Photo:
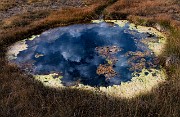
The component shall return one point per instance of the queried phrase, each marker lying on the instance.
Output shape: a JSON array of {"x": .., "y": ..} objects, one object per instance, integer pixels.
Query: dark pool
[{"x": 77, "y": 52}]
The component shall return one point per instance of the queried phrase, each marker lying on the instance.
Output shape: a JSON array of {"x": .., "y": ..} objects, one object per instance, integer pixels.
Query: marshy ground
[{"x": 21, "y": 95}]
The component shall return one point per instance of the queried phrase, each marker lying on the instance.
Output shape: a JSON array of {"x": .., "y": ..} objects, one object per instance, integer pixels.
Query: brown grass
[
  {"x": 21, "y": 95},
  {"x": 24, "y": 25},
  {"x": 153, "y": 10},
  {"x": 6, "y": 4}
]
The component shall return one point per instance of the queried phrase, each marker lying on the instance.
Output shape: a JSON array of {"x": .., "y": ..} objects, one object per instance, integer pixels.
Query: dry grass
[
  {"x": 21, "y": 96},
  {"x": 24, "y": 25},
  {"x": 23, "y": 20},
  {"x": 153, "y": 10},
  {"x": 6, "y": 4}
]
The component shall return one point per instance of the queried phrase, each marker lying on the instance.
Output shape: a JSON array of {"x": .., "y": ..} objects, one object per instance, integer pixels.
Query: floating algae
[{"x": 117, "y": 56}]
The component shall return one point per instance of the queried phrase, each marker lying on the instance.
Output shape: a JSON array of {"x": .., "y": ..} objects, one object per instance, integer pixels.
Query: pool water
[{"x": 96, "y": 54}]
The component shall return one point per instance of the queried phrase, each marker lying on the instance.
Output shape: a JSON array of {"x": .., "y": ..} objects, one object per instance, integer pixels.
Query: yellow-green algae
[
  {"x": 139, "y": 84},
  {"x": 50, "y": 80},
  {"x": 156, "y": 47},
  {"x": 17, "y": 47},
  {"x": 121, "y": 23},
  {"x": 13, "y": 51},
  {"x": 33, "y": 37}
]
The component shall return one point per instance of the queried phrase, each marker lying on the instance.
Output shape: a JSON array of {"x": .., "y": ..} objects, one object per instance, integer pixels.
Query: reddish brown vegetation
[
  {"x": 141, "y": 10},
  {"x": 106, "y": 70},
  {"x": 24, "y": 25}
]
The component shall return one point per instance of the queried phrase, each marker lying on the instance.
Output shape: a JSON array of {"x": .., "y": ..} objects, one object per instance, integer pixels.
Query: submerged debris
[
  {"x": 112, "y": 60},
  {"x": 106, "y": 70},
  {"x": 138, "y": 53},
  {"x": 139, "y": 60},
  {"x": 38, "y": 55},
  {"x": 107, "y": 51},
  {"x": 28, "y": 66}
]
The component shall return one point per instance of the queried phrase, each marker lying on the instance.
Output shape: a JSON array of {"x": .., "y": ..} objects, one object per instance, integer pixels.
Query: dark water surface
[{"x": 71, "y": 52}]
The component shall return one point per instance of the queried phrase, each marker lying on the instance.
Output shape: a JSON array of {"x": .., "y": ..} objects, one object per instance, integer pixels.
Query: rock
[{"x": 159, "y": 28}]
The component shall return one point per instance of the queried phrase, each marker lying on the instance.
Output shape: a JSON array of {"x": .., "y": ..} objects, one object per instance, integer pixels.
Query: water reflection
[{"x": 81, "y": 54}]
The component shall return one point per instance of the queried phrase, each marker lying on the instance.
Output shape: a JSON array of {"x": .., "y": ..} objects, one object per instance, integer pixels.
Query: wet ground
[{"x": 97, "y": 54}]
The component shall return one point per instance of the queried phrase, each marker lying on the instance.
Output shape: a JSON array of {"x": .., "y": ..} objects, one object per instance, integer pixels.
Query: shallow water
[{"x": 72, "y": 52}]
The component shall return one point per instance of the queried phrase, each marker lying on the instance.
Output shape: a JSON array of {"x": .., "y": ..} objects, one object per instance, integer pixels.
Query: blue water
[{"x": 70, "y": 51}]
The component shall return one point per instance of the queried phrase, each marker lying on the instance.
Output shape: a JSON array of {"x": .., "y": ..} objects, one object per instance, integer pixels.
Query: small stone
[{"x": 159, "y": 28}]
